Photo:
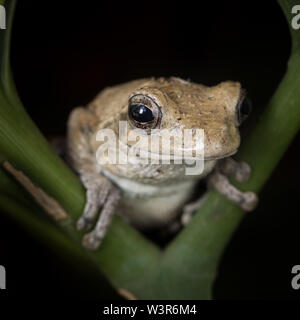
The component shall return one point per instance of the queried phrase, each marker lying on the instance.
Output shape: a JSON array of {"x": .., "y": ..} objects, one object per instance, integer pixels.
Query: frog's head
[{"x": 174, "y": 103}]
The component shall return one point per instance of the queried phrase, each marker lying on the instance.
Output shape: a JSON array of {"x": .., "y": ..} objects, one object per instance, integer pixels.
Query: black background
[{"x": 64, "y": 53}]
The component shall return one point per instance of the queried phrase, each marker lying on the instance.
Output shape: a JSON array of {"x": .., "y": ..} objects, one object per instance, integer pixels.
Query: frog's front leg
[
  {"x": 241, "y": 172},
  {"x": 98, "y": 190},
  {"x": 108, "y": 199},
  {"x": 101, "y": 193}
]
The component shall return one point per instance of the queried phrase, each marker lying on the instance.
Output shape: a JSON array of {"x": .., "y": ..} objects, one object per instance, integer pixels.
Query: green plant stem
[
  {"x": 187, "y": 267},
  {"x": 22, "y": 144},
  {"x": 200, "y": 244}
]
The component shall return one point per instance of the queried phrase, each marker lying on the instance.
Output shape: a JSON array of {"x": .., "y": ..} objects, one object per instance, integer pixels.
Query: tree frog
[{"x": 155, "y": 195}]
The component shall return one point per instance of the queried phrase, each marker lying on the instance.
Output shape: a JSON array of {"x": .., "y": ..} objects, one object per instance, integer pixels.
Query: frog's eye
[
  {"x": 143, "y": 112},
  {"x": 243, "y": 109},
  {"x": 140, "y": 113}
]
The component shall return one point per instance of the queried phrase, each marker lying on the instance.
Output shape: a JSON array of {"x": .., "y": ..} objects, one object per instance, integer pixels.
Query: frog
[{"x": 157, "y": 195}]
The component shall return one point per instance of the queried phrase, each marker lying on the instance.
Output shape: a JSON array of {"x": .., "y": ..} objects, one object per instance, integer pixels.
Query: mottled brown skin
[
  {"x": 182, "y": 103},
  {"x": 153, "y": 195}
]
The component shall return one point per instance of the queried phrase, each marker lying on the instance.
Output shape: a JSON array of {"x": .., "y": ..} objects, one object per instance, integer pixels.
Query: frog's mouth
[
  {"x": 144, "y": 154},
  {"x": 228, "y": 154}
]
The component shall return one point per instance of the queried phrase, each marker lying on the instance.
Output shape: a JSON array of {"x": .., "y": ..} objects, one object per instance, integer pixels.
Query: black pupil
[
  {"x": 140, "y": 113},
  {"x": 245, "y": 108}
]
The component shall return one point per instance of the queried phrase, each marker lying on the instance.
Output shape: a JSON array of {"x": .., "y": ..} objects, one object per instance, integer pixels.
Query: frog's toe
[
  {"x": 240, "y": 171},
  {"x": 246, "y": 200},
  {"x": 91, "y": 208},
  {"x": 96, "y": 195},
  {"x": 84, "y": 224},
  {"x": 243, "y": 172},
  {"x": 93, "y": 239},
  {"x": 250, "y": 201},
  {"x": 90, "y": 241}
]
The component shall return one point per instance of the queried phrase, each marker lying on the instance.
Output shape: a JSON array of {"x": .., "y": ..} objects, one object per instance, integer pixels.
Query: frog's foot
[
  {"x": 96, "y": 195},
  {"x": 93, "y": 239},
  {"x": 100, "y": 193},
  {"x": 190, "y": 208},
  {"x": 246, "y": 200},
  {"x": 240, "y": 171}
]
